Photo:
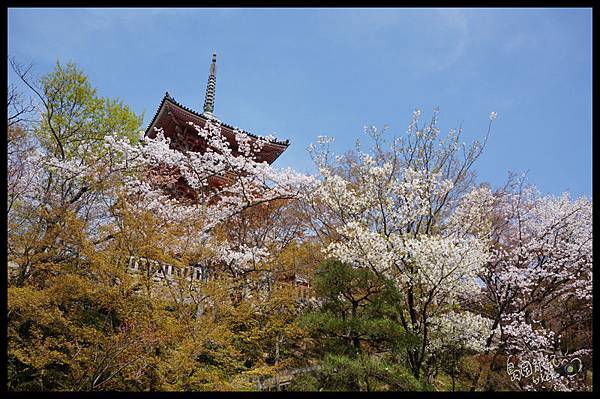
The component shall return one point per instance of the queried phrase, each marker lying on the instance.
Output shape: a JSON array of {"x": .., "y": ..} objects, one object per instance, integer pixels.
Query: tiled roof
[{"x": 168, "y": 97}]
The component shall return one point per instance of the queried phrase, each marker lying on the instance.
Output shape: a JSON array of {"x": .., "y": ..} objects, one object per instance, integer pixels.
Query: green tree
[
  {"x": 74, "y": 118},
  {"x": 361, "y": 342}
]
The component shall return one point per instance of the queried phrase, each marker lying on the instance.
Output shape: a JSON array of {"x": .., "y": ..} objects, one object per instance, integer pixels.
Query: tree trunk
[{"x": 453, "y": 370}]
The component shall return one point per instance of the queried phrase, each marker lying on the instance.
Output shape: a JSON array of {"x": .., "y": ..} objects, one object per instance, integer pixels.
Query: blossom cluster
[{"x": 461, "y": 330}]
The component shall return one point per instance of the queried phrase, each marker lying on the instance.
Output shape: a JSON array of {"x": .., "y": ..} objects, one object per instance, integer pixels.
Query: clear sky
[{"x": 301, "y": 73}]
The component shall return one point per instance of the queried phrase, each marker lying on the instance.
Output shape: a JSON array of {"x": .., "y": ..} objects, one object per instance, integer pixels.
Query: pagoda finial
[{"x": 209, "y": 100}]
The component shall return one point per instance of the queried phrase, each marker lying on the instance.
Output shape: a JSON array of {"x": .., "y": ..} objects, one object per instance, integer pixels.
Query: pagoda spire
[{"x": 209, "y": 100}]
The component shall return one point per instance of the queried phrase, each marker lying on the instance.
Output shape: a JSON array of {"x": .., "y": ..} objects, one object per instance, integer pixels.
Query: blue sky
[{"x": 301, "y": 73}]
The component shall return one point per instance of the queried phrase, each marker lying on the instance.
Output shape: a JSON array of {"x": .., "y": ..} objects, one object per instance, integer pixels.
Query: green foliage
[
  {"x": 84, "y": 323},
  {"x": 361, "y": 373},
  {"x": 361, "y": 341},
  {"x": 358, "y": 307},
  {"x": 75, "y": 119},
  {"x": 305, "y": 383}
]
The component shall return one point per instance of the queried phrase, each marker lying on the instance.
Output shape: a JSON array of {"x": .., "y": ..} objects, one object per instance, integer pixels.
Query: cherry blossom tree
[
  {"x": 538, "y": 280},
  {"x": 398, "y": 210},
  {"x": 516, "y": 262}
]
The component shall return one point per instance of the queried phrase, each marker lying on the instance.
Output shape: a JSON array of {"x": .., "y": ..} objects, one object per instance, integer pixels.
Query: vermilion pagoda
[{"x": 175, "y": 119}]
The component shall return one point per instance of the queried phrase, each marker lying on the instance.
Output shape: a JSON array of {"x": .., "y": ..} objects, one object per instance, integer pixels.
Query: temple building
[{"x": 174, "y": 118}]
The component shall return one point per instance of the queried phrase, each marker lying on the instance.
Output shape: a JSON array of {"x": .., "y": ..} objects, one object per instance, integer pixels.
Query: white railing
[{"x": 159, "y": 271}]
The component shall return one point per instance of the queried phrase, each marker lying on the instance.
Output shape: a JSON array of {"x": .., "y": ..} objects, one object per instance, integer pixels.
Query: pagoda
[{"x": 174, "y": 120}]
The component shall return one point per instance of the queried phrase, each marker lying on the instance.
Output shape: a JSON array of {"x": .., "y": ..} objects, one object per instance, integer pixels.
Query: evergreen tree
[{"x": 361, "y": 342}]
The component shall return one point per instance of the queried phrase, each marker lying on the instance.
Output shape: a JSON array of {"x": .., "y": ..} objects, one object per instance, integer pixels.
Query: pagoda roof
[{"x": 168, "y": 99}]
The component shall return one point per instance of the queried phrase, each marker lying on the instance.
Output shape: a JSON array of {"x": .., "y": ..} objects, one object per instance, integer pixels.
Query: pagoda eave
[{"x": 174, "y": 119}]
